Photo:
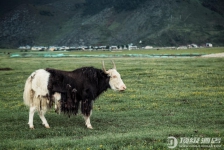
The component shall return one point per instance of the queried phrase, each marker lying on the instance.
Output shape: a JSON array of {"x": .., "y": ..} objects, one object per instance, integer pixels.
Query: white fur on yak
[{"x": 36, "y": 94}]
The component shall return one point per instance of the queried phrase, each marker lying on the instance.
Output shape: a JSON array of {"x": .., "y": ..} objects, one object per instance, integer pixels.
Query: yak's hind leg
[
  {"x": 31, "y": 114},
  {"x": 43, "y": 109},
  {"x": 44, "y": 121},
  {"x": 33, "y": 109}
]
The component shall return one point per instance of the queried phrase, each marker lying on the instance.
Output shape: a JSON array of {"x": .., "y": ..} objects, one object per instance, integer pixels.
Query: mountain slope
[{"x": 104, "y": 22}]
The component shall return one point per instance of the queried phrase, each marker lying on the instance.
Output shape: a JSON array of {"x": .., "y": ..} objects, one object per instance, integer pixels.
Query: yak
[{"x": 68, "y": 90}]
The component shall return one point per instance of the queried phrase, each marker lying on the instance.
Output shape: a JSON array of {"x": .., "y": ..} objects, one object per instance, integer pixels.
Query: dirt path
[{"x": 214, "y": 55}]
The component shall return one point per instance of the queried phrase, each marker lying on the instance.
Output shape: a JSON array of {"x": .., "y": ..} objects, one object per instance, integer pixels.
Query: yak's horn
[
  {"x": 114, "y": 67},
  {"x": 104, "y": 69}
]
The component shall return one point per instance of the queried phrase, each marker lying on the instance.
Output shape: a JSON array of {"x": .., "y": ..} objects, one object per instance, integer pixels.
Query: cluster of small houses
[
  {"x": 60, "y": 48},
  {"x": 123, "y": 47},
  {"x": 195, "y": 46}
]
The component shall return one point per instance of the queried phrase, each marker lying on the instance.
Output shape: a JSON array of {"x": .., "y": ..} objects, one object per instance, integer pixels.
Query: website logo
[
  {"x": 196, "y": 142},
  {"x": 172, "y": 142}
]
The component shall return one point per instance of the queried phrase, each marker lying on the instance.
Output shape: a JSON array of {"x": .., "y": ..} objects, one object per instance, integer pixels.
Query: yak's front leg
[
  {"x": 86, "y": 108},
  {"x": 87, "y": 121},
  {"x": 57, "y": 101}
]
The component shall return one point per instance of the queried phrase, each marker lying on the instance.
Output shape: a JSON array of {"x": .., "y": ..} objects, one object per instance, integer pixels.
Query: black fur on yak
[{"x": 81, "y": 85}]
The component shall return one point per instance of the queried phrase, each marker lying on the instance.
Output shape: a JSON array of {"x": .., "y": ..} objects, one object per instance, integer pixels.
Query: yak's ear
[{"x": 109, "y": 74}]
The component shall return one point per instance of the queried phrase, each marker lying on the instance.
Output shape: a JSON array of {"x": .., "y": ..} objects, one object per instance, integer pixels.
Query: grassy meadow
[{"x": 180, "y": 97}]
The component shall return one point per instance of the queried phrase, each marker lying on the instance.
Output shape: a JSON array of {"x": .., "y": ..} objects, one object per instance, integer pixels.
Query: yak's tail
[{"x": 28, "y": 93}]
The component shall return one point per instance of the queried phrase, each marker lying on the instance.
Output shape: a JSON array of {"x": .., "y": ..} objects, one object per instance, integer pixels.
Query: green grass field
[{"x": 180, "y": 97}]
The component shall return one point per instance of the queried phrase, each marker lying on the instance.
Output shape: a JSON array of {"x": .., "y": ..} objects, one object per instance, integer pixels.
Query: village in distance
[{"x": 109, "y": 48}]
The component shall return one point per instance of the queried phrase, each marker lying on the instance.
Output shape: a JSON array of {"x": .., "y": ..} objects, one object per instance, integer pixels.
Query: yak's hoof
[
  {"x": 31, "y": 127},
  {"x": 47, "y": 127},
  {"x": 89, "y": 127}
]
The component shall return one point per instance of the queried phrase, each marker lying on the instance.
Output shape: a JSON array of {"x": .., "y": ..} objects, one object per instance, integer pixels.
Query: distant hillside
[{"x": 106, "y": 22}]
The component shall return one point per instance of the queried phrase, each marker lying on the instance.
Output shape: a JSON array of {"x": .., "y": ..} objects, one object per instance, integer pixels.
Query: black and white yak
[{"x": 68, "y": 90}]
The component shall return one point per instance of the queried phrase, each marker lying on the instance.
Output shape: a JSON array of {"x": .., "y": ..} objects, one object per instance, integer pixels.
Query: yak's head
[{"x": 115, "y": 82}]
